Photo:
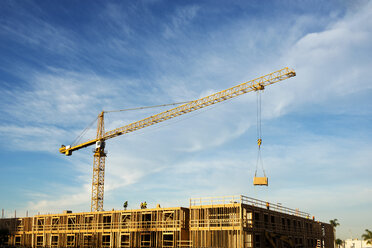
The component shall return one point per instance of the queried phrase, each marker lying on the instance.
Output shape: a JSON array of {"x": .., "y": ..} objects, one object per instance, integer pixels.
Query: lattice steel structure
[{"x": 99, "y": 155}]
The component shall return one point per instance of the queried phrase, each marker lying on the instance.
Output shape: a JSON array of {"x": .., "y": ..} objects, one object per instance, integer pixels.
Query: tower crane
[{"x": 102, "y": 135}]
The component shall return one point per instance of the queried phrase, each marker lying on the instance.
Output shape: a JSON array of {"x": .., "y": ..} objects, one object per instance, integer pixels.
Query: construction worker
[
  {"x": 267, "y": 205},
  {"x": 144, "y": 205},
  {"x": 141, "y": 205},
  {"x": 125, "y": 205}
]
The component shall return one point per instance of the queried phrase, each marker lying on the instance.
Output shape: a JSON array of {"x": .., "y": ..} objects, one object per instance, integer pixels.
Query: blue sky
[{"x": 62, "y": 62}]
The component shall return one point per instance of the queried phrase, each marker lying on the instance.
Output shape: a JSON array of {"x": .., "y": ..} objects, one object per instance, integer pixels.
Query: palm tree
[
  {"x": 338, "y": 242},
  {"x": 367, "y": 236},
  {"x": 334, "y": 223}
]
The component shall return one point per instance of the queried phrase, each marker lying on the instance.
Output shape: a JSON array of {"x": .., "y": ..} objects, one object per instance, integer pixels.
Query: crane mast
[
  {"x": 99, "y": 158},
  {"x": 99, "y": 151}
]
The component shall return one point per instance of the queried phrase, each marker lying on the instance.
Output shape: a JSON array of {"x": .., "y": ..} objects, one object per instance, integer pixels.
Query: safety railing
[
  {"x": 215, "y": 200},
  {"x": 205, "y": 223},
  {"x": 241, "y": 199},
  {"x": 273, "y": 206},
  {"x": 184, "y": 243},
  {"x": 174, "y": 224}
]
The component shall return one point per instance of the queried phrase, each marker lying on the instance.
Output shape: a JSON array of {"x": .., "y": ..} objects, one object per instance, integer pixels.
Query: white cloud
[
  {"x": 29, "y": 30},
  {"x": 113, "y": 14},
  {"x": 333, "y": 63},
  {"x": 182, "y": 17},
  {"x": 32, "y": 138},
  {"x": 192, "y": 156},
  {"x": 55, "y": 105},
  {"x": 67, "y": 200}
]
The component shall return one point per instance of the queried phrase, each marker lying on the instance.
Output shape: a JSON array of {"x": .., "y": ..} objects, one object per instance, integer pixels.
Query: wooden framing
[{"x": 234, "y": 221}]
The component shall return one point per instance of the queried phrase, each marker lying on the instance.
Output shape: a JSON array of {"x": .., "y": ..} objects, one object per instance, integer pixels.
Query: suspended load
[
  {"x": 257, "y": 84},
  {"x": 259, "y": 181}
]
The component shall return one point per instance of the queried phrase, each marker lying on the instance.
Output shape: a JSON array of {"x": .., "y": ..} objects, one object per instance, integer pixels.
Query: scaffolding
[{"x": 232, "y": 221}]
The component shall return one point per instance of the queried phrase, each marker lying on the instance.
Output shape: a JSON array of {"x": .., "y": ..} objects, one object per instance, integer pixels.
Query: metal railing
[
  {"x": 241, "y": 199},
  {"x": 215, "y": 200}
]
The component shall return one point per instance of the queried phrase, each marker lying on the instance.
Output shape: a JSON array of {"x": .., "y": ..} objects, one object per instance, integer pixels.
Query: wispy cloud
[
  {"x": 32, "y": 138},
  {"x": 333, "y": 62},
  {"x": 179, "y": 20},
  {"x": 64, "y": 201},
  {"x": 32, "y": 30},
  {"x": 123, "y": 59}
]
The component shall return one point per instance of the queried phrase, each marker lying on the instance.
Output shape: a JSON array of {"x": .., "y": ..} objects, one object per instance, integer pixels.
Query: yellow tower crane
[{"x": 99, "y": 151}]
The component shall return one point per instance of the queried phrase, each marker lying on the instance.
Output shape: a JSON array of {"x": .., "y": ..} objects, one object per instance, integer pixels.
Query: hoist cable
[
  {"x": 259, "y": 134},
  {"x": 147, "y": 107},
  {"x": 258, "y": 130},
  {"x": 78, "y": 138}
]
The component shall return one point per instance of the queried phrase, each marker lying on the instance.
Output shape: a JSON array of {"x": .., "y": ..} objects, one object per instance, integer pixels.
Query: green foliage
[
  {"x": 334, "y": 223},
  {"x": 338, "y": 242},
  {"x": 367, "y": 236}
]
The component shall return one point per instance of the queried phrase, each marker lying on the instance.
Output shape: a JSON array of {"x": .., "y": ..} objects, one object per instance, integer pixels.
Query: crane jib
[
  {"x": 99, "y": 153},
  {"x": 253, "y": 85},
  {"x": 256, "y": 84}
]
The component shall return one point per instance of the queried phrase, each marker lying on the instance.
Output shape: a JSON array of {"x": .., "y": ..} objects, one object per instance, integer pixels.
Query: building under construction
[
  {"x": 224, "y": 222},
  {"x": 228, "y": 222}
]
